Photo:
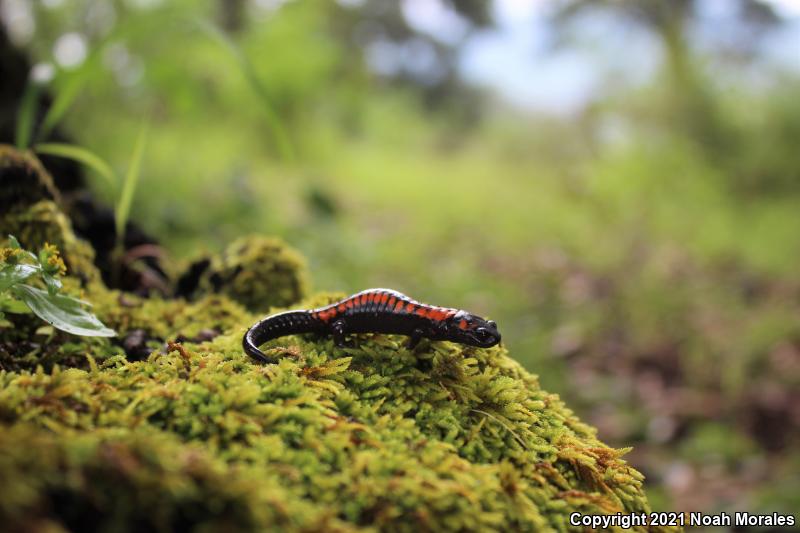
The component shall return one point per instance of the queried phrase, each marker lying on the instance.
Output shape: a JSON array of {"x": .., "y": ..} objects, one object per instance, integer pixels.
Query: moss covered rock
[
  {"x": 375, "y": 436},
  {"x": 43, "y": 223},
  {"x": 258, "y": 272},
  {"x": 23, "y": 180},
  {"x": 29, "y": 210},
  {"x": 187, "y": 433}
]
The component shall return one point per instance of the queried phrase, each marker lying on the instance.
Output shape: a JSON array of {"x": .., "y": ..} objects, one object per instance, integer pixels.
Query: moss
[
  {"x": 23, "y": 180},
  {"x": 171, "y": 427},
  {"x": 170, "y": 319},
  {"x": 29, "y": 210},
  {"x": 43, "y": 223},
  {"x": 373, "y": 436},
  {"x": 258, "y": 272},
  {"x": 122, "y": 480}
]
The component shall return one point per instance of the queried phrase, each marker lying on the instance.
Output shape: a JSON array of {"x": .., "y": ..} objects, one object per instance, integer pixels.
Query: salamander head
[{"x": 473, "y": 330}]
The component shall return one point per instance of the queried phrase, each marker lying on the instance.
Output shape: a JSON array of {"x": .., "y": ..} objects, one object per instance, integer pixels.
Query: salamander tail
[
  {"x": 251, "y": 348},
  {"x": 272, "y": 327}
]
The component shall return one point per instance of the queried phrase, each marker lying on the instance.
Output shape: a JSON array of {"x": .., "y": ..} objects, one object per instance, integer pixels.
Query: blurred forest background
[{"x": 617, "y": 183}]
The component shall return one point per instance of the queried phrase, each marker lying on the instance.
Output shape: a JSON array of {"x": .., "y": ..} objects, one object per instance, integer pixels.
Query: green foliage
[
  {"x": 59, "y": 310},
  {"x": 259, "y": 88},
  {"x": 26, "y": 115},
  {"x": 64, "y": 98},
  {"x": 641, "y": 256},
  {"x": 81, "y": 155},
  {"x": 26, "y": 131},
  {"x": 62, "y": 312},
  {"x": 129, "y": 183}
]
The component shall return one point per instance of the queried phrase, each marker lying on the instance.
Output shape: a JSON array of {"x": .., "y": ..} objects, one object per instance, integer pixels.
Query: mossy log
[{"x": 193, "y": 435}]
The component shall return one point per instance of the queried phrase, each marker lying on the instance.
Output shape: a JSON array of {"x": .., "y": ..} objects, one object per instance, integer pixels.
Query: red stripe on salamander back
[{"x": 436, "y": 314}]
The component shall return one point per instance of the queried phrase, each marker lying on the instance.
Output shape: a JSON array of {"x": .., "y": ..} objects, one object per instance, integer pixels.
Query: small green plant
[
  {"x": 129, "y": 184},
  {"x": 59, "y": 310},
  {"x": 126, "y": 187},
  {"x": 26, "y": 134}
]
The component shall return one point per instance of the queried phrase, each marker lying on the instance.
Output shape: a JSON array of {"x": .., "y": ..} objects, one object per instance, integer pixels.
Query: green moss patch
[
  {"x": 373, "y": 436},
  {"x": 171, "y": 427},
  {"x": 257, "y": 272}
]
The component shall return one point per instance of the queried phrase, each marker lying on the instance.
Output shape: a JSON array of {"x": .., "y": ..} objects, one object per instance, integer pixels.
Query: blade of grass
[
  {"x": 129, "y": 185},
  {"x": 82, "y": 156},
  {"x": 274, "y": 122},
  {"x": 67, "y": 91},
  {"x": 63, "y": 100},
  {"x": 26, "y": 116}
]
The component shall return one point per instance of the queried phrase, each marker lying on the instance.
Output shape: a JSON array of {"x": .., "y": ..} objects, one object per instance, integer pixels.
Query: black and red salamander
[{"x": 374, "y": 311}]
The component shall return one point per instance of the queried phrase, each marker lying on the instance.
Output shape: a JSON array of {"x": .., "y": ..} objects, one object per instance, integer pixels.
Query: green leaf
[
  {"x": 26, "y": 116},
  {"x": 63, "y": 312},
  {"x": 63, "y": 101},
  {"x": 82, "y": 156},
  {"x": 13, "y": 243},
  {"x": 129, "y": 184},
  {"x": 12, "y": 274},
  {"x": 52, "y": 282}
]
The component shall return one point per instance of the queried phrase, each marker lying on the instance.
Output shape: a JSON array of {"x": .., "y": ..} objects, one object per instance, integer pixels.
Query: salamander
[{"x": 374, "y": 311}]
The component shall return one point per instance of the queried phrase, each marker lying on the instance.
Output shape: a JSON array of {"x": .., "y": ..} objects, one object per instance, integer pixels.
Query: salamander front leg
[
  {"x": 338, "y": 332},
  {"x": 415, "y": 337}
]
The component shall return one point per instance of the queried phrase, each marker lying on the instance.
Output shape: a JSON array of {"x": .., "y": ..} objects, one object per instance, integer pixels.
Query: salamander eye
[{"x": 483, "y": 334}]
